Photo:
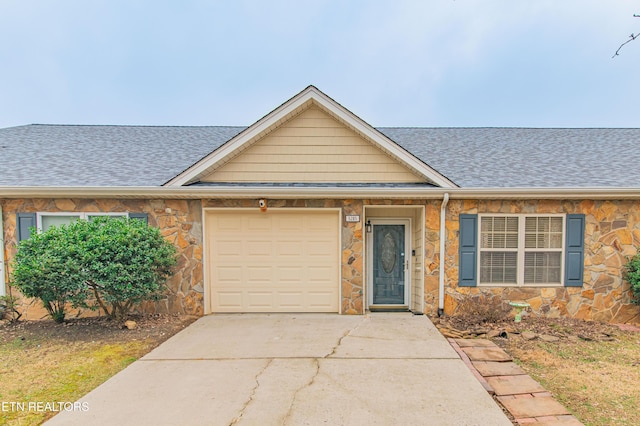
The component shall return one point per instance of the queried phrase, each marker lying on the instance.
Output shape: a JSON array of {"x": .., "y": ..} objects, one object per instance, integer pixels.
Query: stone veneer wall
[
  {"x": 178, "y": 220},
  {"x": 432, "y": 257},
  {"x": 612, "y": 234}
]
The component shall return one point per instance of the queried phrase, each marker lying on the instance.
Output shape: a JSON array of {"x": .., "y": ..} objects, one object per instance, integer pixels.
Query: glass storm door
[{"x": 388, "y": 263}]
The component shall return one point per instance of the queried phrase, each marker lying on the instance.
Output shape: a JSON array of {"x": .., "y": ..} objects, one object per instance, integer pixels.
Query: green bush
[
  {"x": 633, "y": 276},
  {"x": 48, "y": 266},
  {"x": 127, "y": 262},
  {"x": 118, "y": 261}
]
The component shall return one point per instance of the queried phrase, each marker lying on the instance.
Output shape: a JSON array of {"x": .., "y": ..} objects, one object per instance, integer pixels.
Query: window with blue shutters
[{"x": 521, "y": 250}]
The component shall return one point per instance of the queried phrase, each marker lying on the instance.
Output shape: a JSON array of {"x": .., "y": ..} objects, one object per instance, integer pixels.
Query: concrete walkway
[{"x": 302, "y": 369}]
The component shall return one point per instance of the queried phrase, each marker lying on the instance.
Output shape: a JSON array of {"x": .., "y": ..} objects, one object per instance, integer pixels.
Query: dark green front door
[{"x": 389, "y": 261}]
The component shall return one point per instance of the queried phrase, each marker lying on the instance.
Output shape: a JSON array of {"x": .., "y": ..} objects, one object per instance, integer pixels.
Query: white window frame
[
  {"x": 79, "y": 215},
  {"x": 521, "y": 250}
]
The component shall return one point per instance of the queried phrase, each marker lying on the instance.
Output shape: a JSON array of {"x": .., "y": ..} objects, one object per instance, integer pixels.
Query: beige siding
[{"x": 312, "y": 147}]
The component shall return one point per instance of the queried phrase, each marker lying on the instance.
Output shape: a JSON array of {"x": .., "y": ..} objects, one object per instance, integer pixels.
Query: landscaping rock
[
  {"x": 528, "y": 335},
  {"x": 548, "y": 338},
  {"x": 131, "y": 325}
]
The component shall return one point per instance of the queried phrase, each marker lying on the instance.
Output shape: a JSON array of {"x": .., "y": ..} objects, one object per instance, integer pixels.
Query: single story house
[{"x": 311, "y": 209}]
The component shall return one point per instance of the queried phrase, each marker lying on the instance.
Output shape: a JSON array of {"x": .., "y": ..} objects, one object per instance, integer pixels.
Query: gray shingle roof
[
  {"x": 525, "y": 157},
  {"x": 69, "y": 155}
]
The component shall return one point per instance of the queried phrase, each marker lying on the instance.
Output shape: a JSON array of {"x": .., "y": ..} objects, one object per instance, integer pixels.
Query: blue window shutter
[
  {"x": 467, "y": 269},
  {"x": 140, "y": 216},
  {"x": 24, "y": 223},
  {"x": 574, "y": 251}
]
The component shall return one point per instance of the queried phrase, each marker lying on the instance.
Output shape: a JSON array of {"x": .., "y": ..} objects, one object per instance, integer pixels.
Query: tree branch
[
  {"x": 632, "y": 37},
  {"x": 95, "y": 287}
]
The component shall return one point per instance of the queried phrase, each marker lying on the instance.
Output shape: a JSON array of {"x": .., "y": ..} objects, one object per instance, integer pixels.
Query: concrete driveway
[{"x": 295, "y": 369}]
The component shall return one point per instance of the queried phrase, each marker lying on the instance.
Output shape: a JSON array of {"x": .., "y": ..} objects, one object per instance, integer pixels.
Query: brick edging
[{"x": 515, "y": 400}]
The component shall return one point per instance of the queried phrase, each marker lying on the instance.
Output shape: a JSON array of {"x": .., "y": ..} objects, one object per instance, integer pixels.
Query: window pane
[
  {"x": 498, "y": 267},
  {"x": 543, "y": 232},
  {"x": 542, "y": 267},
  {"x": 49, "y": 221},
  {"x": 556, "y": 224},
  {"x": 499, "y": 232}
]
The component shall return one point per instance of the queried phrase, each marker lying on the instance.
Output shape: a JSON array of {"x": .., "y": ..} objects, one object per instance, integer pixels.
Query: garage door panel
[
  {"x": 289, "y": 248},
  {"x": 320, "y": 223},
  {"x": 228, "y": 224},
  {"x": 260, "y": 301},
  {"x": 279, "y": 261},
  {"x": 321, "y": 274},
  {"x": 228, "y": 248},
  {"x": 289, "y": 299},
  {"x": 290, "y": 275},
  {"x": 228, "y": 300},
  {"x": 256, "y": 222},
  {"x": 320, "y": 300},
  {"x": 319, "y": 248},
  {"x": 258, "y": 275},
  {"x": 229, "y": 274},
  {"x": 290, "y": 224},
  {"x": 262, "y": 248}
]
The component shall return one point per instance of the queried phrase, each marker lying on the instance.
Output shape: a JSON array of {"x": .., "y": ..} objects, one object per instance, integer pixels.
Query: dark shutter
[
  {"x": 574, "y": 251},
  {"x": 25, "y": 221},
  {"x": 468, "y": 250},
  {"x": 140, "y": 216}
]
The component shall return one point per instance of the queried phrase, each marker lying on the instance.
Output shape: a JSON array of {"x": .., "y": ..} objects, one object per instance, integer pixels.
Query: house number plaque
[{"x": 352, "y": 218}]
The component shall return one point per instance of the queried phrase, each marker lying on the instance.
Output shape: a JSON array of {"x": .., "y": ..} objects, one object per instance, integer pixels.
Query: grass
[
  {"x": 599, "y": 382},
  {"x": 44, "y": 370}
]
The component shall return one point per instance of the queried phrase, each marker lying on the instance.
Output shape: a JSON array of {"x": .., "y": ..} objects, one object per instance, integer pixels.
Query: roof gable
[
  {"x": 313, "y": 147},
  {"x": 318, "y": 123}
]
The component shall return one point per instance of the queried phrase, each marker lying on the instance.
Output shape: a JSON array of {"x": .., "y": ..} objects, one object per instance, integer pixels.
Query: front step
[{"x": 389, "y": 308}]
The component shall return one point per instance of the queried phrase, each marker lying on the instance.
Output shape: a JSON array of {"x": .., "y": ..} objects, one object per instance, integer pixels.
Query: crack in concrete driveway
[{"x": 274, "y": 369}]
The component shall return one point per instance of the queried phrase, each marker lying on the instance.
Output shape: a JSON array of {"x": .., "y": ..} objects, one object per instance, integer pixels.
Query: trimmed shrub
[
  {"x": 127, "y": 262},
  {"x": 118, "y": 261},
  {"x": 48, "y": 266}
]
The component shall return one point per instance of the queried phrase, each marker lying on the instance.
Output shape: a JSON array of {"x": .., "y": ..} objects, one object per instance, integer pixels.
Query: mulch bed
[
  {"x": 158, "y": 327},
  {"x": 469, "y": 326}
]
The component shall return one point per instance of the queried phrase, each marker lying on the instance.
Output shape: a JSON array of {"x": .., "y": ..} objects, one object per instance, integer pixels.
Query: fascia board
[{"x": 317, "y": 192}]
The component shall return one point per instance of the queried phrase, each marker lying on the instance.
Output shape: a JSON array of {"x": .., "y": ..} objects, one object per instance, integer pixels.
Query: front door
[{"x": 388, "y": 262}]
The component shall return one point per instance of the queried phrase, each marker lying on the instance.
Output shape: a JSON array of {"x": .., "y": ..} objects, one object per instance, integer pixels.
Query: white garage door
[{"x": 277, "y": 261}]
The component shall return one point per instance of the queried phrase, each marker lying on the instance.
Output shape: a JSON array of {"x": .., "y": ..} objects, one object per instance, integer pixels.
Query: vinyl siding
[{"x": 312, "y": 147}]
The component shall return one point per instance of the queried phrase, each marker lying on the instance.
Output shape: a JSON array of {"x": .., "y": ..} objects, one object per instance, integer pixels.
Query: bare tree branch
[{"x": 632, "y": 37}]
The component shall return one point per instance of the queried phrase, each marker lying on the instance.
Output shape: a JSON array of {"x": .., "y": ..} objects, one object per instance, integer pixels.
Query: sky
[{"x": 396, "y": 63}]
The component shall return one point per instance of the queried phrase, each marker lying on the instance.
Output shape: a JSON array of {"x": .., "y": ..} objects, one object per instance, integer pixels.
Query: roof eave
[{"x": 219, "y": 192}]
